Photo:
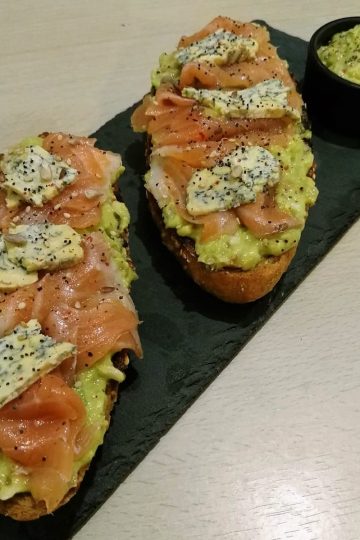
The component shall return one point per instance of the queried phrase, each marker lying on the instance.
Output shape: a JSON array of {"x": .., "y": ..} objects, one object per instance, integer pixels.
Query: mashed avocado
[
  {"x": 294, "y": 194},
  {"x": 342, "y": 54},
  {"x": 168, "y": 70},
  {"x": 91, "y": 383},
  {"x": 91, "y": 387},
  {"x": 12, "y": 480},
  {"x": 115, "y": 220}
]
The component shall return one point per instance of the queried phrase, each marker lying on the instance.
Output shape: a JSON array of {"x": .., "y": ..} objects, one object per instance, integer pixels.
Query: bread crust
[
  {"x": 22, "y": 506},
  {"x": 229, "y": 284}
]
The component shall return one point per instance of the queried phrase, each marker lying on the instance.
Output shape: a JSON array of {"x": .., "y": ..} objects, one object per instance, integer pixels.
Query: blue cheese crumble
[
  {"x": 43, "y": 246},
  {"x": 33, "y": 175},
  {"x": 25, "y": 356},
  {"x": 235, "y": 180},
  {"x": 268, "y": 99},
  {"x": 12, "y": 275},
  {"x": 221, "y": 47}
]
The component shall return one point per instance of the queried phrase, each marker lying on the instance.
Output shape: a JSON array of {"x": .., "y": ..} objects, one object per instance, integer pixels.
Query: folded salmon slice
[
  {"x": 43, "y": 430},
  {"x": 106, "y": 327},
  {"x": 170, "y": 124},
  {"x": 259, "y": 33},
  {"x": 240, "y": 75},
  {"x": 168, "y": 97},
  {"x": 263, "y": 217},
  {"x": 201, "y": 154},
  {"x": 78, "y": 204},
  {"x": 208, "y": 153}
]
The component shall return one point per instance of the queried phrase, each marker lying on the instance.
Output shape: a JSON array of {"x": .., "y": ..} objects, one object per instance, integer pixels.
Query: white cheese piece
[
  {"x": 234, "y": 181},
  {"x": 268, "y": 99},
  {"x": 43, "y": 246},
  {"x": 221, "y": 47},
  {"x": 12, "y": 275},
  {"x": 34, "y": 175},
  {"x": 25, "y": 356}
]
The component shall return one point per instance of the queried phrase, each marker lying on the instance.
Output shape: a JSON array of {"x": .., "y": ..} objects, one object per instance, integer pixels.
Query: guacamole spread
[{"x": 342, "y": 54}]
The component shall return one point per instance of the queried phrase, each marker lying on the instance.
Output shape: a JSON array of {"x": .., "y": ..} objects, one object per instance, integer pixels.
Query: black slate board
[{"x": 188, "y": 336}]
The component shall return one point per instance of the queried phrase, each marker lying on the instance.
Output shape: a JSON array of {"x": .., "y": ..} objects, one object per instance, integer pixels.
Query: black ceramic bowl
[{"x": 330, "y": 99}]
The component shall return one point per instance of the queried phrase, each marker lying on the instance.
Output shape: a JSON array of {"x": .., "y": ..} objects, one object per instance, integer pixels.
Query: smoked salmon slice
[
  {"x": 263, "y": 217},
  {"x": 240, "y": 75},
  {"x": 79, "y": 204},
  {"x": 40, "y": 430},
  {"x": 208, "y": 153},
  {"x": 259, "y": 33},
  {"x": 168, "y": 124}
]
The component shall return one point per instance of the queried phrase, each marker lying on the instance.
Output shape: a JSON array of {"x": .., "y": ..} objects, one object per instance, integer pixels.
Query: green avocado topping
[
  {"x": 342, "y": 54},
  {"x": 115, "y": 219},
  {"x": 168, "y": 70}
]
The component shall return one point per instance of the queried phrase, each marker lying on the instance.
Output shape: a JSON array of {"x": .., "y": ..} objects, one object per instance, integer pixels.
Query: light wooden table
[{"x": 272, "y": 449}]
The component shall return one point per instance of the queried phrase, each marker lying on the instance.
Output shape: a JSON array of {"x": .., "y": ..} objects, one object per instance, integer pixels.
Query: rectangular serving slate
[{"x": 188, "y": 336}]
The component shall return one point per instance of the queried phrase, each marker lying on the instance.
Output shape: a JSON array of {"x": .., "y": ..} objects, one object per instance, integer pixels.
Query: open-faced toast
[
  {"x": 67, "y": 320},
  {"x": 231, "y": 172}
]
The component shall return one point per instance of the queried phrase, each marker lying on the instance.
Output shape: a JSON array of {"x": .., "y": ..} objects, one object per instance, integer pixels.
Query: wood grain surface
[{"x": 272, "y": 449}]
